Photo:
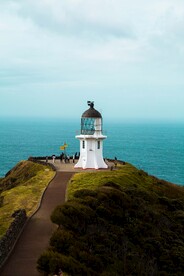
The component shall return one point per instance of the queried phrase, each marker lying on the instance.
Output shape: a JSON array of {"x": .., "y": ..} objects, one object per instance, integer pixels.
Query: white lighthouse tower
[{"x": 91, "y": 140}]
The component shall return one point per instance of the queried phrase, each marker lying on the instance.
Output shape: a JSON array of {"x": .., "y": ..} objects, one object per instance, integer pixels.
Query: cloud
[
  {"x": 98, "y": 22},
  {"x": 84, "y": 45},
  {"x": 133, "y": 30},
  {"x": 104, "y": 17},
  {"x": 84, "y": 18}
]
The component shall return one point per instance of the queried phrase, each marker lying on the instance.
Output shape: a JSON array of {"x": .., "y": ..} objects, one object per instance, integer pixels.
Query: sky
[{"x": 126, "y": 56}]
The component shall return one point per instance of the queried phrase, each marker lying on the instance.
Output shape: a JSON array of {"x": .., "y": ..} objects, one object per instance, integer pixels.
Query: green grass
[
  {"x": 22, "y": 188},
  {"x": 128, "y": 178},
  {"x": 121, "y": 222},
  {"x": 92, "y": 180},
  {"x": 125, "y": 176}
]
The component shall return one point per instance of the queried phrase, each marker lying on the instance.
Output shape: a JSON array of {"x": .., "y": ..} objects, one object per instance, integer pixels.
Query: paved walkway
[
  {"x": 37, "y": 232},
  {"x": 69, "y": 167}
]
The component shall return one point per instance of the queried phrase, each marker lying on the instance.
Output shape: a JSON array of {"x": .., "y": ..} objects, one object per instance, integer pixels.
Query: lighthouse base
[
  {"x": 90, "y": 164},
  {"x": 91, "y": 152},
  {"x": 91, "y": 161}
]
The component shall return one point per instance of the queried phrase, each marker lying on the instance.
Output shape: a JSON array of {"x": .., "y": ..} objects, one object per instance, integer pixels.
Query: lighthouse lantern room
[{"x": 91, "y": 140}]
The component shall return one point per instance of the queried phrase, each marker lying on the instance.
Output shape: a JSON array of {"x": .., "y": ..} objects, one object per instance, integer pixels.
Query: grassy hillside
[
  {"x": 126, "y": 176},
  {"x": 121, "y": 222},
  {"x": 22, "y": 188}
]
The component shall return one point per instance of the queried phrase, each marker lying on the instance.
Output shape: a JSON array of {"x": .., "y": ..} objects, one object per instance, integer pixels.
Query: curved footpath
[{"x": 38, "y": 230}]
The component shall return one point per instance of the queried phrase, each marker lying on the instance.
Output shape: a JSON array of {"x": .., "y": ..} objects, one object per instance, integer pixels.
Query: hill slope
[
  {"x": 22, "y": 188},
  {"x": 122, "y": 222}
]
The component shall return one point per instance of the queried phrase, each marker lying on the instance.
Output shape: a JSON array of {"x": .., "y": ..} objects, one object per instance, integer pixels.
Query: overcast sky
[{"x": 127, "y": 56}]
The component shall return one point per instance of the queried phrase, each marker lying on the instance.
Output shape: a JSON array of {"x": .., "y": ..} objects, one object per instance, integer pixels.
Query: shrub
[
  {"x": 73, "y": 215},
  {"x": 85, "y": 192},
  {"x": 43, "y": 263},
  {"x": 127, "y": 229},
  {"x": 112, "y": 185},
  {"x": 61, "y": 240}
]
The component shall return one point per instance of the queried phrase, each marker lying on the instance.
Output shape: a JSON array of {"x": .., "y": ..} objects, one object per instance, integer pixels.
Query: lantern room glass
[{"x": 87, "y": 126}]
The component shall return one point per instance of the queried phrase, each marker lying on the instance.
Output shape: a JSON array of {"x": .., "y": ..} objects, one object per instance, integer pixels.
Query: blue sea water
[{"x": 157, "y": 148}]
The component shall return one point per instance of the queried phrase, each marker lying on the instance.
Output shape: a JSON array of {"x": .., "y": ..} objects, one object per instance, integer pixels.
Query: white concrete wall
[{"x": 91, "y": 156}]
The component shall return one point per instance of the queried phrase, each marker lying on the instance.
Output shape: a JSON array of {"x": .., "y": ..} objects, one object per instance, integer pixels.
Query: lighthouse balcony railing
[
  {"x": 90, "y": 132},
  {"x": 87, "y": 131}
]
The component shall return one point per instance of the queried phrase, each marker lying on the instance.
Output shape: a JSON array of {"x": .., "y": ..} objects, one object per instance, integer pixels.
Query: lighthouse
[{"x": 91, "y": 140}]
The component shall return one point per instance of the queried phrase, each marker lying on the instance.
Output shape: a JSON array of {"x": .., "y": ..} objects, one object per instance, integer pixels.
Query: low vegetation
[
  {"x": 22, "y": 189},
  {"x": 121, "y": 222}
]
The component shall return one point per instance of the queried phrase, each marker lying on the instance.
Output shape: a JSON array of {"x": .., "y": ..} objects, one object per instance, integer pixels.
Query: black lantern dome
[
  {"x": 88, "y": 119},
  {"x": 91, "y": 112}
]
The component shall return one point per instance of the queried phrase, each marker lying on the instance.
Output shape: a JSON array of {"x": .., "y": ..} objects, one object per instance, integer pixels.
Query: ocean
[{"x": 157, "y": 148}]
